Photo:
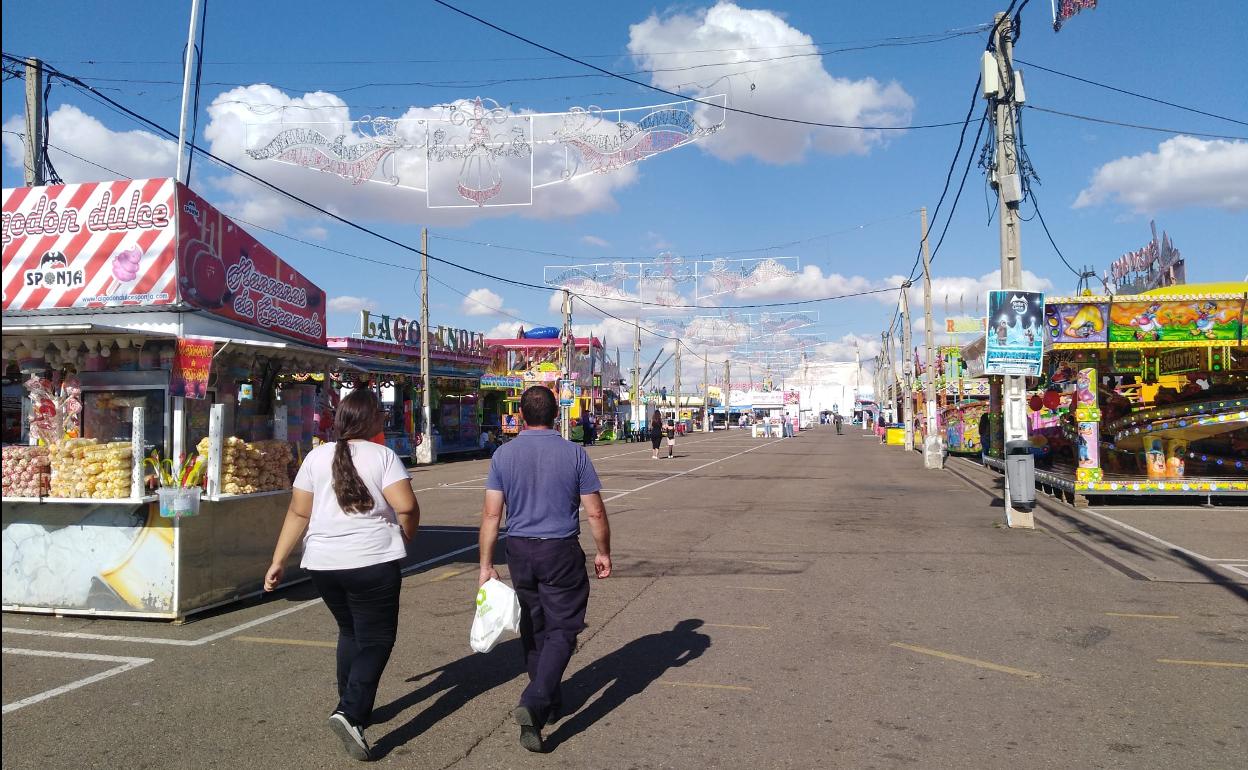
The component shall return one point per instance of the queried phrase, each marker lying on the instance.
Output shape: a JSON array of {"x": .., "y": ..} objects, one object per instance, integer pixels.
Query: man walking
[{"x": 542, "y": 481}]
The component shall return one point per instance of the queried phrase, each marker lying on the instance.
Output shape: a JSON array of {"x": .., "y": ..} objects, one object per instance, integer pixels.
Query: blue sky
[{"x": 755, "y": 184}]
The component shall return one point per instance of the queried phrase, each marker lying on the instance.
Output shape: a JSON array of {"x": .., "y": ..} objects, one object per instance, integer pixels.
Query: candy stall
[
  {"x": 1144, "y": 395},
  {"x": 157, "y": 427}
]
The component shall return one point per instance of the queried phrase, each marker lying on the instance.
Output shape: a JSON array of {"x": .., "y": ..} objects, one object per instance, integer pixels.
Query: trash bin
[{"x": 1020, "y": 472}]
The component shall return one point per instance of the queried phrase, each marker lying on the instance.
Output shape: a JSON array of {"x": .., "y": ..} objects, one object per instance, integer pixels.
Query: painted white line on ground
[
  {"x": 691, "y": 470},
  {"x": 1240, "y": 569},
  {"x": 1149, "y": 536},
  {"x": 126, "y": 665}
]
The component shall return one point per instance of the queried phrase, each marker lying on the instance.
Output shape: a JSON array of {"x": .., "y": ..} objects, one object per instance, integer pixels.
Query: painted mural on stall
[
  {"x": 113, "y": 558},
  {"x": 1162, "y": 322}
]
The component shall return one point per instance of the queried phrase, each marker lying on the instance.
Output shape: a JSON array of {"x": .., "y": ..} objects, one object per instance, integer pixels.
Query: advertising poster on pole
[{"x": 1015, "y": 338}]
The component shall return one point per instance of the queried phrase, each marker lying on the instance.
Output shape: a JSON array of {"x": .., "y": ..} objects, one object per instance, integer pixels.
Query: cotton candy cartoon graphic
[{"x": 125, "y": 265}]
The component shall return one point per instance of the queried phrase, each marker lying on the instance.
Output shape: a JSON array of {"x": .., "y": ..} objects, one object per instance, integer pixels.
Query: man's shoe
[
  {"x": 554, "y": 715},
  {"x": 530, "y": 734},
  {"x": 352, "y": 737}
]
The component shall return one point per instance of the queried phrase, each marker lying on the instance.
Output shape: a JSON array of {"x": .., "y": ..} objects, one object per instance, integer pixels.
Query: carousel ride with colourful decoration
[{"x": 1144, "y": 395}]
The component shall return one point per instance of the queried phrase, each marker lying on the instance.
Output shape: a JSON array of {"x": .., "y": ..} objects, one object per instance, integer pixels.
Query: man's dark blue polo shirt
[{"x": 542, "y": 478}]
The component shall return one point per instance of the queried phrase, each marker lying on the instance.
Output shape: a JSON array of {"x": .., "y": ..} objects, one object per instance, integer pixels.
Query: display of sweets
[
  {"x": 25, "y": 471},
  {"x": 85, "y": 468},
  {"x": 247, "y": 468}
]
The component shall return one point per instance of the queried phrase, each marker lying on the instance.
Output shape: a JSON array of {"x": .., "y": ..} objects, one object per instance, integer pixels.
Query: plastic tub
[{"x": 176, "y": 502}]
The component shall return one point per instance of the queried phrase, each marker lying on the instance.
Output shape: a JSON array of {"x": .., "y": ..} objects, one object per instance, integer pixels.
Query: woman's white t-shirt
[{"x": 338, "y": 540}]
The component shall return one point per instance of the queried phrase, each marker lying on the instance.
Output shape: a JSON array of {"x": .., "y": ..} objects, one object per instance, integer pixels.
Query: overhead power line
[
  {"x": 1108, "y": 122},
  {"x": 965, "y": 30},
  {"x": 678, "y": 95},
  {"x": 491, "y": 82},
  {"x": 1131, "y": 93}
]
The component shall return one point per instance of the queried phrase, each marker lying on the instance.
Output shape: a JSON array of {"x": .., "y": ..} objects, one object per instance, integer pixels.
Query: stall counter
[{"x": 121, "y": 559}]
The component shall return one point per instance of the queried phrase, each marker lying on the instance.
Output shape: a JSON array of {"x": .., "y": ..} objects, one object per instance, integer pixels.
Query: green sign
[
  {"x": 1127, "y": 361},
  {"x": 1182, "y": 360}
]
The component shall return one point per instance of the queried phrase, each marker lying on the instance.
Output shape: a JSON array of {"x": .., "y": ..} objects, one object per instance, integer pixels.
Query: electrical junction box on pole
[{"x": 991, "y": 77}]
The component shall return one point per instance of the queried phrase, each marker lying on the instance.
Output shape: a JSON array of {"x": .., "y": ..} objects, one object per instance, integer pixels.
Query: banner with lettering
[
  {"x": 223, "y": 270},
  {"x": 191, "y": 364},
  {"x": 90, "y": 245}
]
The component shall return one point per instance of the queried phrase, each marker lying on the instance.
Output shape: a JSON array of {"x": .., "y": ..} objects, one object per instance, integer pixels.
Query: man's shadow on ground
[
  {"x": 458, "y": 682},
  {"x": 625, "y": 673}
]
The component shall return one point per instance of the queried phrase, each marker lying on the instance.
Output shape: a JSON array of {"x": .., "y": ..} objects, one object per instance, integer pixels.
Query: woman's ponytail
[{"x": 355, "y": 418}]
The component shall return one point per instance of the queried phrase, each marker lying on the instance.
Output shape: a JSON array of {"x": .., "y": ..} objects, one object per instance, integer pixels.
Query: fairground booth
[
  {"x": 1144, "y": 395},
  {"x": 385, "y": 355},
  {"x": 156, "y": 399},
  {"x": 533, "y": 358}
]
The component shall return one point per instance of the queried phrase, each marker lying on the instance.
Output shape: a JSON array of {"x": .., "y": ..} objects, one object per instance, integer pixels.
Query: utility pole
[
  {"x": 858, "y": 384},
  {"x": 706, "y": 395},
  {"x": 883, "y": 372},
  {"x": 569, "y": 347},
  {"x": 1009, "y": 191},
  {"x": 727, "y": 393},
  {"x": 188, "y": 74},
  {"x": 638, "y": 413},
  {"x": 907, "y": 368},
  {"x": 426, "y": 453},
  {"x": 676, "y": 383},
  {"x": 32, "y": 163},
  {"x": 933, "y": 451}
]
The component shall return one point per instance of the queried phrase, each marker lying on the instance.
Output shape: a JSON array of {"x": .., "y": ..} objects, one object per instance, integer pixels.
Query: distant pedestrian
[
  {"x": 671, "y": 438},
  {"x": 656, "y": 434},
  {"x": 355, "y": 500},
  {"x": 542, "y": 481},
  {"x": 587, "y": 428},
  {"x": 839, "y": 422}
]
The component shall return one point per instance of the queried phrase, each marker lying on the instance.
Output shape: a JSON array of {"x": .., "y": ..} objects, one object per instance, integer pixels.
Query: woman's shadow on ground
[
  {"x": 458, "y": 682},
  {"x": 624, "y": 673}
]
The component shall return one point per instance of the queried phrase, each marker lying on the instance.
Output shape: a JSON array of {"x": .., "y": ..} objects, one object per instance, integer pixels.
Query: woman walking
[
  {"x": 656, "y": 434},
  {"x": 355, "y": 500}
]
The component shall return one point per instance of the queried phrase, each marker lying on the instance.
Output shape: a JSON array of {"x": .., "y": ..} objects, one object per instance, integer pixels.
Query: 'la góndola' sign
[{"x": 402, "y": 331}]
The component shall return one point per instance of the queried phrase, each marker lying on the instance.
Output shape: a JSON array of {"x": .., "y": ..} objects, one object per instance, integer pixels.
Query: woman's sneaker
[{"x": 352, "y": 737}]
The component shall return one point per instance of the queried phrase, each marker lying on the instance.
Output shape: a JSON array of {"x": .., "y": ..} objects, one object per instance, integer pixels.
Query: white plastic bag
[{"x": 498, "y": 610}]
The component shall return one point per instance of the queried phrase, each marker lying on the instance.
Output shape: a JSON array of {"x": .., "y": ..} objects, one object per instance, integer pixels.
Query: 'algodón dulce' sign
[{"x": 90, "y": 245}]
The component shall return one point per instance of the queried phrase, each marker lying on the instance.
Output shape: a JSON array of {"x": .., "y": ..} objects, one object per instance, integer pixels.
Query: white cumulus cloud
[
  {"x": 349, "y": 304},
  {"x": 1185, "y": 171},
  {"x": 481, "y": 302},
  {"x": 136, "y": 154},
  {"x": 722, "y": 41},
  {"x": 593, "y": 240},
  {"x": 505, "y": 330}
]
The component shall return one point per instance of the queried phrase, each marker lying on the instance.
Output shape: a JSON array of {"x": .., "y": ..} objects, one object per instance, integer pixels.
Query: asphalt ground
[{"x": 815, "y": 601}]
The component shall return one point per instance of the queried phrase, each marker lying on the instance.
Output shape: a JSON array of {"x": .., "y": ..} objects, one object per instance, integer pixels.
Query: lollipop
[
  {"x": 43, "y": 413},
  {"x": 71, "y": 407}
]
